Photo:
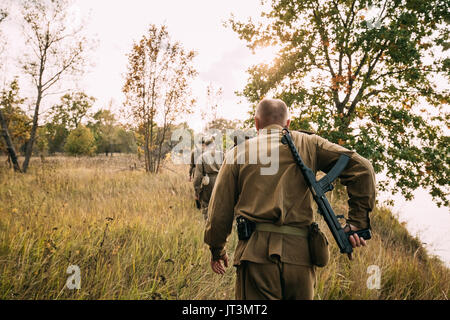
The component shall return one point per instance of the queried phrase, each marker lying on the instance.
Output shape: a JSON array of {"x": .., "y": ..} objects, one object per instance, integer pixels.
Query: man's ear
[
  {"x": 288, "y": 123},
  {"x": 257, "y": 124}
]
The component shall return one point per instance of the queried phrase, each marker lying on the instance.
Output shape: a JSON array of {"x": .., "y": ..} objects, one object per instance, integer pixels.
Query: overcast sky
[{"x": 222, "y": 58}]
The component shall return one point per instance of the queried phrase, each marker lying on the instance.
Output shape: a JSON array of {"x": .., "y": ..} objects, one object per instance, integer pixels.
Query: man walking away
[
  {"x": 275, "y": 263},
  {"x": 205, "y": 174}
]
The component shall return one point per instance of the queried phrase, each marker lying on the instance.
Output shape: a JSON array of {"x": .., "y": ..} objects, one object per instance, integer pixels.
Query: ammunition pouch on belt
[{"x": 318, "y": 246}]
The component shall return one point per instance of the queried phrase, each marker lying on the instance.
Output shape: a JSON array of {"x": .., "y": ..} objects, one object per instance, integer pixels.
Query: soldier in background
[
  {"x": 275, "y": 263},
  {"x": 194, "y": 156},
  {"x": 206, "y": 169}
]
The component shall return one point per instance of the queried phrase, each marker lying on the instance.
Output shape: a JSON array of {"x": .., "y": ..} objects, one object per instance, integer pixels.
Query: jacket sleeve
[
  {"x": 198, "y": 175},
  {"x": 358, "y": 177},
  {"x": 221, "y": 208},
  {"x": 192, "y": 164}
]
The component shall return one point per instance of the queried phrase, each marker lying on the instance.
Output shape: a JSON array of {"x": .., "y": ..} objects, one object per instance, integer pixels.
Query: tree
[
  {"x": 109, "y": 135},
  {"x": 103, "y": 128},
  {"x": 72, "y": 109},
  {"x": 56, "y": 49},
  {"x": 126, "y": 141},
  {"x": 157, "y": 88},
  {"x": 224, "y": 127},
  {"x": 3, "y": 121},
  {"x": 80, "y": 142},
  {"x": 367, "y": 84},
  {"x": 14, "y": 122},
  {"x": 56, "y": 137},
  {"x": 223, "y": 124},
  {"x": 42, "y": 142},
  {"x": 64, "y": 117}
]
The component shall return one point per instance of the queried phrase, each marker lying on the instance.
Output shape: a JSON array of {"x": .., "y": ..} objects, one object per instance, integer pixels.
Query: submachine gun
[{"x": 318, "y": 190}]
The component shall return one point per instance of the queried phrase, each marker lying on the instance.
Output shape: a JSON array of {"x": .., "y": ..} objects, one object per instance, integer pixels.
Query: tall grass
[{"x": 138, "y": 236}]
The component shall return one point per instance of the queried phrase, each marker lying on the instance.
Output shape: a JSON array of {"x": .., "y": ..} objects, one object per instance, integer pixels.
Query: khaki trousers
[{"x": 274, "y": 281}]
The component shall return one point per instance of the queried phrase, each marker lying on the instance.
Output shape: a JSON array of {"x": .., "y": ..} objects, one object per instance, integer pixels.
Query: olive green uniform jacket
[
  {"x": 282, "y": 198},
  {"x": 209, "y": 164}
]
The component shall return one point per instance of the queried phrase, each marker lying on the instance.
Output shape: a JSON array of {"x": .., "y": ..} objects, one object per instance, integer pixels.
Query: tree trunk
[
  {"x": 161, "y": 142},
  {"x": 151, "y": 160},
  {"x": 9, "y": 144},
  {"x": 29, "y": 147},
  {"x": 146, "y": 149}
]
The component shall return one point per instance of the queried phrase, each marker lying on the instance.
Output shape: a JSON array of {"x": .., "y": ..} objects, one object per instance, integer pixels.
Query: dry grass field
[{"x": 138, "y": 236}]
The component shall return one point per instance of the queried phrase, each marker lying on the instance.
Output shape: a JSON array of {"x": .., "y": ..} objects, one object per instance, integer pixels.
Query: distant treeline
[{"x": 71, "y": 127}]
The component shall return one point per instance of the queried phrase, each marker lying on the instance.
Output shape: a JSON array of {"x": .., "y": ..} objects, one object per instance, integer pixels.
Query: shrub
[{"x": 80, "y": 142}]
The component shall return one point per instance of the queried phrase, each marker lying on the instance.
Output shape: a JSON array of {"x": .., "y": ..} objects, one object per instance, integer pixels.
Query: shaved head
[{"x": 271, "y": 111}]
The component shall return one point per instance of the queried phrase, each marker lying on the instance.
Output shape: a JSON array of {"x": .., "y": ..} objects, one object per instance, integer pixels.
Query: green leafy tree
[
  {"x": 363, "y": 73},
  {"x": 110, "y": 136},
  {"x": 72, "y": 109},
  {"x": 56, "y": 137},
  {"x": 64, "y": 117},
  {"x": 80, "y": 142},
  {"x": 223, "y": 124},
  {"x": 103, "y": 128},
  {"x": 42, "y": 144},
  {"x": 126, "y": 141}
]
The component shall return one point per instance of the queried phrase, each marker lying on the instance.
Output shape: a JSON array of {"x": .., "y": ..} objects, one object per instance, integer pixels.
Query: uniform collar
[
  {"x": 273, "y": 126},
  {"x": 268, "y": 129}
]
